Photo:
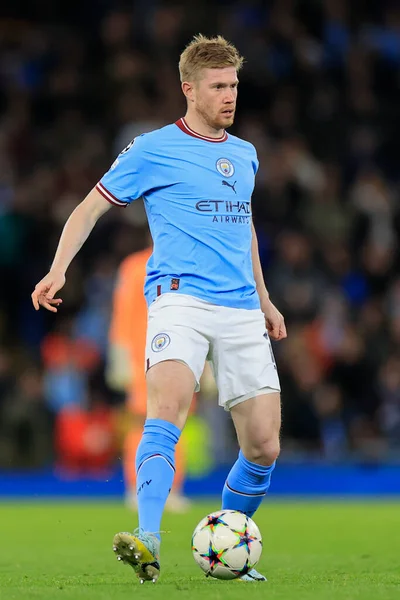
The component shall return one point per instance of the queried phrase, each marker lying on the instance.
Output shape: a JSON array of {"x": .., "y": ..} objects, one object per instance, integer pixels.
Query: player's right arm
[
  {"x": 76, "y": 231},
  {"x": 127, "y": 179}
]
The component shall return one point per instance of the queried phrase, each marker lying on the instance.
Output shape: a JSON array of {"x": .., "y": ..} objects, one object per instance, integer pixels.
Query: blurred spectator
[
  {"x": 25, "y": 423},
  {"x": 68, "y": 360},
  {"x": 85, "y": 439},
  {"x": 295, "y": 281},
  {"x": 319, "y": 99}
]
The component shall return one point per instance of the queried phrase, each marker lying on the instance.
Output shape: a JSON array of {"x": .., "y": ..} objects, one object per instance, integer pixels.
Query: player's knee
[
  {"x": 167, "y": 409},
  {"x": 169, "y": 405},
  {"x": 264, "y": 452}
]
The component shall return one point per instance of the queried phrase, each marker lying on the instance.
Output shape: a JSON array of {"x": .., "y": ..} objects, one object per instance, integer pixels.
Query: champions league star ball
[{"x": 226, "y": 544}]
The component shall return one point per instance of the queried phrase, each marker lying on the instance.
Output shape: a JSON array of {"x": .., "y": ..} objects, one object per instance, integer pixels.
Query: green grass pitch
[{"x": 312, "y": 551}]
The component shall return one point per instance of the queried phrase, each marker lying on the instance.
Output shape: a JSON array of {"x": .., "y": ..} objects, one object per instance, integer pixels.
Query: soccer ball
[{"x": 226, "y": 544}]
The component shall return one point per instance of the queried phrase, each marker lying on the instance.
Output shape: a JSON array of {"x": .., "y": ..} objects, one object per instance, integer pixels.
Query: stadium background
[{"x": 319, "y": 99}]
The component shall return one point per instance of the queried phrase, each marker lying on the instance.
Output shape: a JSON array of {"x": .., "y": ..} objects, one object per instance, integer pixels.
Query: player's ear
[{"x": 188, "y": 90}]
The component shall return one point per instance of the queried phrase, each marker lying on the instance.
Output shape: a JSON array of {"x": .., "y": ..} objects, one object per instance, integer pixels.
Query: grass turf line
[{"x": 312, "y": 551}]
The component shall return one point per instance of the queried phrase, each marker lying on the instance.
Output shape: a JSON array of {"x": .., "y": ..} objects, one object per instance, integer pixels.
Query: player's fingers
[
  {"x": 35, "y": 300},
  {"x": 273, "y": 329},
  {"x": 46, "y": 303},
  {"x": 37, "y": 294},
  {"x": 54, "y": 301},
  {"x": 282, "y": 330}
]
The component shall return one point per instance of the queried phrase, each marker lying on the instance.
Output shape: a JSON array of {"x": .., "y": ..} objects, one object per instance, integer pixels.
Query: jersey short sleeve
[{"x": 129, "y": 175}]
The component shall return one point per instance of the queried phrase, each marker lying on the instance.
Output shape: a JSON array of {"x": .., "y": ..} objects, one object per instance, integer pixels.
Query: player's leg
[
  {"x": 137, "y": 406},
  {"x": 170, "y": 387},
  {"x": 176, "y": 501},
  {"x": 170, "y": 390},
  {"x": 175, "y": 354},
  {"x": 249, "y": 387},
  {"x": 257, "y": 423}
]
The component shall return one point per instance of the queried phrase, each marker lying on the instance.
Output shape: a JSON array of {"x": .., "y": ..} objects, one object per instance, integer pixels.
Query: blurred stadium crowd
[{"x": 319, "y": 97}]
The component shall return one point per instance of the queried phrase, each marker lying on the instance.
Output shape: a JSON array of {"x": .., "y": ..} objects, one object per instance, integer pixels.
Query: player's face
[{"x": 215, "y": 95}]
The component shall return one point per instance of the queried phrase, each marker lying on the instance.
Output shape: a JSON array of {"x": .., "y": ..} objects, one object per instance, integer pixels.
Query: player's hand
[
  {"x": 46, "y": 289},
  {"x": 274, "y": 321}
]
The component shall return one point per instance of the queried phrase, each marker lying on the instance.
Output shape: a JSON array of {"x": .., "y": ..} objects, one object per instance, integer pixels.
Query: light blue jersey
[{"x": 197, "y": 194}]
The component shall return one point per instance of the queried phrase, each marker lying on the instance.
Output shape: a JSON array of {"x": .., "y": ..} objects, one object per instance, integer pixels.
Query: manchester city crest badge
[{"x": 225, "y": 167}]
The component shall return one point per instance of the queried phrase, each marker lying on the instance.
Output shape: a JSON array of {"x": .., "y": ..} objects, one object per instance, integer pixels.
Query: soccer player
[{"x": 204, "y": 287}]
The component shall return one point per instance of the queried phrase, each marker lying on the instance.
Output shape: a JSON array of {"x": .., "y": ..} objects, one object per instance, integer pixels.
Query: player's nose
[{"x": 229, "y": 97}]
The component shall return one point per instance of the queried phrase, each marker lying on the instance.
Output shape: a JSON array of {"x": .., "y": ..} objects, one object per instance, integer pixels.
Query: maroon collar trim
[{"x": 181, "y": 123}]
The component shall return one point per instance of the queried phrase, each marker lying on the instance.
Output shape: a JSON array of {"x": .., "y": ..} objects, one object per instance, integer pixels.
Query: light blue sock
[
  {"x": 246, "y": 485},
  {"x": 155, "y": 467}
]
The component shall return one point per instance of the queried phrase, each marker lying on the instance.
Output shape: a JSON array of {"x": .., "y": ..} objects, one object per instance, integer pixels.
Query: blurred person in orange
[{"x": 125, "y": 371}]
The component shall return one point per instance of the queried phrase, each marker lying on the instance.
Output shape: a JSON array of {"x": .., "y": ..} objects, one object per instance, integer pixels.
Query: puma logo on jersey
[{"x": 231, "y": 185}]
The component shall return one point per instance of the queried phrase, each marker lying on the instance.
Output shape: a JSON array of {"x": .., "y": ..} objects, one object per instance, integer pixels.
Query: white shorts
[{"x": 233, "y": 340}]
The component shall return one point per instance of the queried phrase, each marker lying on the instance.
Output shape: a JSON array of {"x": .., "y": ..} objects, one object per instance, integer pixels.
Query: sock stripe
[
  {"x": 242, "y": 493},
  {"x": 154, "y": 456}
]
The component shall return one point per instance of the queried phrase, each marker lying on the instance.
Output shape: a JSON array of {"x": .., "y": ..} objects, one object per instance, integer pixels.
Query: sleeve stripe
[{"x": 109, "y": 196}]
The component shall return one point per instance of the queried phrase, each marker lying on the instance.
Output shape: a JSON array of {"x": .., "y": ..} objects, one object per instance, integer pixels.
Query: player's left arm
[{"x": 274, "y": 321}]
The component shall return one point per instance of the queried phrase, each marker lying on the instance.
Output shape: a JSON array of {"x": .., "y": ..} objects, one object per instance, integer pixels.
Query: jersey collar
[{"x": 181, "y": 123}]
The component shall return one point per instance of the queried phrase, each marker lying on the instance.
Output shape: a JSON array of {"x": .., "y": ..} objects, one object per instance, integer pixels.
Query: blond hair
[{"x": 207, "y": 53}]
